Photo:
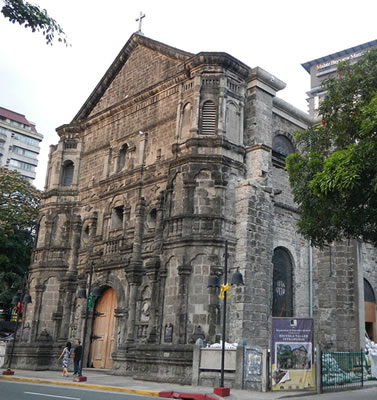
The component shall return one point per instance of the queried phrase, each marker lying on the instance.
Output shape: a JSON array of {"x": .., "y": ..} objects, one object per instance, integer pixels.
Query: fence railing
[{"x": 343, "y": 370}]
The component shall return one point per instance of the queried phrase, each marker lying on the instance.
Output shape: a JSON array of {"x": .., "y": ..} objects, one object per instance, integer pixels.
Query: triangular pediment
[{"x": 141, "y": 63}]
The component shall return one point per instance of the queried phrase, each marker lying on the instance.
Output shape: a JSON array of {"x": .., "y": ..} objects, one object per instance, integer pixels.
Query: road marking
[{"x": 53, "y": 395}]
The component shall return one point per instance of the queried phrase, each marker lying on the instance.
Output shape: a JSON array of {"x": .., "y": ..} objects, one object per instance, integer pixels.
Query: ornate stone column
[
  {"x": 76, "y": 227},
  {"x": 39, "y": 289},
  {"x": 196, "y": 105},
  {"x": 134, "y": 270},
  {"x": 68, "y": 288},
  {"x": 221, "y": 108},
  {"x": 184, "y": 272},
  {"x": 120, "y": 315},
  {"x": 152, "y": 269}
]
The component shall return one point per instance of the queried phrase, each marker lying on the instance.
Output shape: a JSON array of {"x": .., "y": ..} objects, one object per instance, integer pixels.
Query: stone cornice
[
  {"x": 258, "y": 146},
  {"x": 222, "y": 59},
  {"x": 295, "y": 115},
  {"x": 205, "y": 159},
  {"x": 265, "y": 81}
]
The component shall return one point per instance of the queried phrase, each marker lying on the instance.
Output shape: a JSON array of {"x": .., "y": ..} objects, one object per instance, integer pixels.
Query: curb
[
  {"x": 85, "y": 385},
  {"x": 188, "y": 396}
]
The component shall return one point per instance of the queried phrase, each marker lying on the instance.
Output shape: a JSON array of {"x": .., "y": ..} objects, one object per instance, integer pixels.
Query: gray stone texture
[{"x": 172, "y": 155}]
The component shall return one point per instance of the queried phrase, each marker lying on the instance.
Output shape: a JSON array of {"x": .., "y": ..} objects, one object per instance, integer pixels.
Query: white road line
[{"x": 53, "y": 395}]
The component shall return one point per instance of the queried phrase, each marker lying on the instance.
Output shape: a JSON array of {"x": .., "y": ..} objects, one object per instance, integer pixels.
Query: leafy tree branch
[
  {"x": 334, "y": 175},
  {"x": 33, "y": 17}
]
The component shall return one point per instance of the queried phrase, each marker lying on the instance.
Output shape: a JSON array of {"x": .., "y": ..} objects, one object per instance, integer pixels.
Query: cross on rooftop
[{"x": 140, "y": 20}]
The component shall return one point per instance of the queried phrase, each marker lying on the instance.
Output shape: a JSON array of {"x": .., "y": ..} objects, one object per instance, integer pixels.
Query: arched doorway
[
  {"x": 102, "y": 340},
  {"x": 370, "y": 310},
  {"x": 282, "y": 304}
]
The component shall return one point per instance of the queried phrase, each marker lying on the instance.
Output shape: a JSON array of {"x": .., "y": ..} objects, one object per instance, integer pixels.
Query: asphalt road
[
  {"x": 26, "y": 391},
  {"x": 362, "y": 394}
]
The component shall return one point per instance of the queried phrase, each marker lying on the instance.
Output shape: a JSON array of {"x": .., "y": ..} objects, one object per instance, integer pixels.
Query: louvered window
[
  {"x": 209, "y": 118},
  {"x": 281, "y": 148}
]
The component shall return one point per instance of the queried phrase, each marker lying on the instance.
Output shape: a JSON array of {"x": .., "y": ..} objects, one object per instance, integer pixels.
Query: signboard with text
[{"x": 292, "y": 354}]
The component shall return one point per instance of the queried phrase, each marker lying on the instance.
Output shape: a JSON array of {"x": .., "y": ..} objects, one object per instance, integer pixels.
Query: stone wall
[{"x": 173, "y": 156}]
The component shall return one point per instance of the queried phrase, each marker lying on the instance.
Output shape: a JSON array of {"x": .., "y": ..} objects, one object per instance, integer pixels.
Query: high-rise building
[
  {"x": 19, "y": 143},
  {"x": 323, "y": 68}
]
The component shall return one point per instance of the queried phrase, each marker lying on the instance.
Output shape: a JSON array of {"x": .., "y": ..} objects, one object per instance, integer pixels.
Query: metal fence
[{"x": 343, "y": 370}]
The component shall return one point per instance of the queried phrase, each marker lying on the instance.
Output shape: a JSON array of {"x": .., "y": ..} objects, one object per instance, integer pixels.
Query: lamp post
[
  {"x": 214, "y": 282},
  {"x": 18, "y": 300},
  {"x": 82, "y": 295}
]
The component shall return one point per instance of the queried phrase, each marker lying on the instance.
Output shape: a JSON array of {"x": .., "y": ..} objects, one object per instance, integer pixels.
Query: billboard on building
[{"x": 292, "y": 354}]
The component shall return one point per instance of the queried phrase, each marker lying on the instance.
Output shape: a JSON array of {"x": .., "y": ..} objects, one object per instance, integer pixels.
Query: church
[{"x": 173, "y": 155}]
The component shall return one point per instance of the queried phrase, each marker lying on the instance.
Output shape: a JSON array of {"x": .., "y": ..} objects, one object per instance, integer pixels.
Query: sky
[{"x": 49, "y": 84}]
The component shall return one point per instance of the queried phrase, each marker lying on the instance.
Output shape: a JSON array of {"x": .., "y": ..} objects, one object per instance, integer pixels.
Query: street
[
  {"x": 25, "y": 391},
  {"x": 364, "y": 394}
]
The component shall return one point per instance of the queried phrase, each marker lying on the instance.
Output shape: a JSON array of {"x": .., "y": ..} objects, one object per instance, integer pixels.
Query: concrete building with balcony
[{"x": 19, "y": 143}]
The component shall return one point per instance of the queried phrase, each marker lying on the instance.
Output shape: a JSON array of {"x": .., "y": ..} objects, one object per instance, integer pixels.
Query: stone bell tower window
[
  {"x": 67, "y": 176},
  {"x": 209, "y": 118},
  {"x": 117, "y": 218}
]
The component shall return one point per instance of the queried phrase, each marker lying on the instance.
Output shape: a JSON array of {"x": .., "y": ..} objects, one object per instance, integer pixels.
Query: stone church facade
[{"x": 172, "y": 155}]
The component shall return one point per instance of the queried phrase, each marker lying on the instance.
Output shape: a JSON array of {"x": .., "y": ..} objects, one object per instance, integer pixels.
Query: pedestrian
[
  {"x": 66, "y": 358},
  {"x": 77, "y": 351}
]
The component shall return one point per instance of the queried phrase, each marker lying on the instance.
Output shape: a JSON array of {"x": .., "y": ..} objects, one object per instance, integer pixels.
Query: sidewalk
[{"x": 103, "y": 380}]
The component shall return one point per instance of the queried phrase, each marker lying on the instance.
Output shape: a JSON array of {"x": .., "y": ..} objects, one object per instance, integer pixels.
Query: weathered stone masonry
[{"x": 171, "y": 155}]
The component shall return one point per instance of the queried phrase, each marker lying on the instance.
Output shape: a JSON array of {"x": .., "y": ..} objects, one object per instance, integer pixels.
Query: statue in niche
[
  {"x": 146, "y": 304},
  {"x": 168, "y": 333},
  {"x": 145, "y": 310}
]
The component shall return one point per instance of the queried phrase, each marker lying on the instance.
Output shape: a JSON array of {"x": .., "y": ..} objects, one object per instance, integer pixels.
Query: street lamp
[
  {"x": 17, "y": 300},
  {"x": 214, "y": 282},
  {"x": 82, "y": 295}
]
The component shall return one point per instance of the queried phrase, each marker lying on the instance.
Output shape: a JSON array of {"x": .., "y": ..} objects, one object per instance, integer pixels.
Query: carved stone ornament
[{"x": 168, "y": 333}]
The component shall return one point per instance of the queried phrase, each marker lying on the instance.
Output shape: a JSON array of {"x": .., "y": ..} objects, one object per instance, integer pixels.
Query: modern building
[
  {"x": 19, "y": 143},
  {"x": 322, "y": 68},
  {"x": 173, "y": 155}
]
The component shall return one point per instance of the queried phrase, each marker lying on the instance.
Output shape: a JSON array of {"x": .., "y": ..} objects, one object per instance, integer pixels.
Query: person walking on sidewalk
[
  {"x": 77, "y": 351},
  {"x": 66, "y": 354}
]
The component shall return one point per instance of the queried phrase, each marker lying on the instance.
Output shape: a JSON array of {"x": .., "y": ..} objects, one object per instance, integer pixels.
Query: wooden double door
[{"x": 103, "y": 335}]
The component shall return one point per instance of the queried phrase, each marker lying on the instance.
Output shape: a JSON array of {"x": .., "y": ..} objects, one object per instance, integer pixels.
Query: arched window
[
  {"x": 67, "y": 177},
  {"x": 186, "y": 121},
  {"x": 209, "y": 118},
  {"x": 117, "y": 217},
  {"x": 281, "y": 148},
  {"x": 122, "y": 157},
  {"x": 282, "y": 304}
]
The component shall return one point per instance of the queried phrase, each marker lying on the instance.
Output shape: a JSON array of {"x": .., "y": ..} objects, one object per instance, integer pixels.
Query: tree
[
  {"x": 334, "y": 174},
  {"x": 31, "y": 16},
  {"x": 19, "y": 203}
]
